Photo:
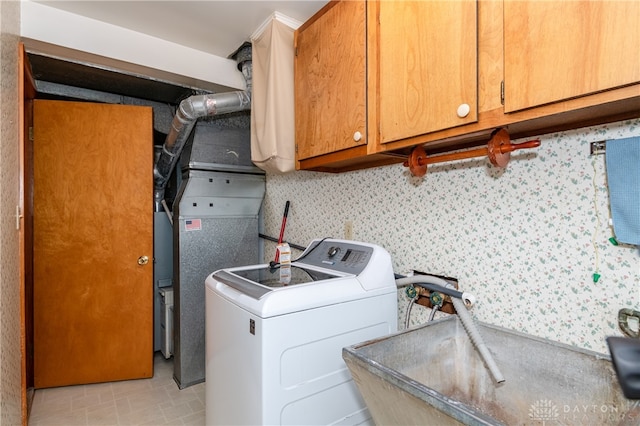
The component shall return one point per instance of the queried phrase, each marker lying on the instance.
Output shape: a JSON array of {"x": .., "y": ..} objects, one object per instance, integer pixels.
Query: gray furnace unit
[{"x": 216, "y": 217}]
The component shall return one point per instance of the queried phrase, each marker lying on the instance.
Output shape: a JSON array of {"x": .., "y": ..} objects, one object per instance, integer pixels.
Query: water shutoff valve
[
  {"x": 411, "y": 291},
  {"x": 436, "y": 298}
]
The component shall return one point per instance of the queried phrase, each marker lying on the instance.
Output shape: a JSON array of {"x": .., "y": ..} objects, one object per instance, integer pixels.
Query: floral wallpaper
[
  {"x": 526, "y": 240},
  {"x": 10, "y": 297}
]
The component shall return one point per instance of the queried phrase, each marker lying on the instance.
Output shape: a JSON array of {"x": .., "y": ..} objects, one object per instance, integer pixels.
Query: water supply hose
[
  {"x": 436, "y": 284},
  {"x": 408, "y": 315},
  {"x": 436, "y": 305},
  {"x": 464, "y": 315}
]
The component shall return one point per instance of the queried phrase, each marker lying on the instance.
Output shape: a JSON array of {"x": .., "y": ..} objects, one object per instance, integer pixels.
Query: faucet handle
[{"x": 623, "y": 322}]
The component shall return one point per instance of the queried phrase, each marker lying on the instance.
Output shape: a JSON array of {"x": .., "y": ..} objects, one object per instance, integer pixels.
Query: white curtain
[{"x": 272, "y": 108}]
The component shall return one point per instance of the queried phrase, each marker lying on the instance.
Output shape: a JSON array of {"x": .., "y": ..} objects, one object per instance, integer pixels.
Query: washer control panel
[{"x": 341, "y": 256}]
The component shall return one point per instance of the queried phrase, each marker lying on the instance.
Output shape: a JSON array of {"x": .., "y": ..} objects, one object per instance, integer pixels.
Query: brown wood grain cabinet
[
  {"x": 423, "y": 67},
  {"x": 369, "y": 73},
  {"x": 555, "y": 51},
  {"x": 330, "y": 82},
  {"x": 447, "y": 74}
]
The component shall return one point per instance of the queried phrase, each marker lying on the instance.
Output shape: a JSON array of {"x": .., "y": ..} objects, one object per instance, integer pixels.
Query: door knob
[{"x": 143, "y": 260}]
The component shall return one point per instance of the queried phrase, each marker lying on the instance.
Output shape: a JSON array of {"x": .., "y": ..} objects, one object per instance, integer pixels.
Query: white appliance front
[{"x": 287, "y": 369}]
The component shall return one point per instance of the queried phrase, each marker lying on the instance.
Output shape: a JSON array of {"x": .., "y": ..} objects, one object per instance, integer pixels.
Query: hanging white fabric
[{"x": 272, "y": 108}]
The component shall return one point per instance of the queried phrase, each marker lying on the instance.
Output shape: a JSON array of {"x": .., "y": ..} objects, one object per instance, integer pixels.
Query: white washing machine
[{"x": 274, "y": 337}]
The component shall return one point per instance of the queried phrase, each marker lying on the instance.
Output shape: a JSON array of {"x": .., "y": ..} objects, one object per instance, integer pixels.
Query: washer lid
[{"x": 256, "y": 282}]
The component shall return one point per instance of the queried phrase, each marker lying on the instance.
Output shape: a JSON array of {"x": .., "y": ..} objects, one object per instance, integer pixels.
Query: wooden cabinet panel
[
  {"x": 427, "y": 61},
  {"x": 529, "y": 66},
  {"x": 330, "y": 83},
  {"x": 378, "y": 72},
  {"x": 557, "y": 50}
]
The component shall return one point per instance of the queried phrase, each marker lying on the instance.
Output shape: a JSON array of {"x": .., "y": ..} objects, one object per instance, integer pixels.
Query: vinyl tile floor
[{"x": 154, "y": 401}]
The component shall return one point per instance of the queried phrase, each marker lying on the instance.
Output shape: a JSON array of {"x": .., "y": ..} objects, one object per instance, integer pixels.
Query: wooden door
[
  {"x": 426, "y": 57},
  {"x": 93, "y": 220},
  {"x": 330, "y": 80},
  {"x": 557, "y": 50}
]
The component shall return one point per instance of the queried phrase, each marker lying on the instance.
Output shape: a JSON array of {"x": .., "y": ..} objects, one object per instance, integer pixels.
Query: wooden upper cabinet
[
  {"x": 425, "y": 57},
  {"x": 374, "y": 79},
  {"x": 370, "y": 73},
  {"x": 559, "y": 50},
  {"x": 330, "y": 81}
]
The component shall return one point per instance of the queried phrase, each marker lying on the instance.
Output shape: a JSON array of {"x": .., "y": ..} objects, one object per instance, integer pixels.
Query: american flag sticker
[{"x": 193, "y": 225}]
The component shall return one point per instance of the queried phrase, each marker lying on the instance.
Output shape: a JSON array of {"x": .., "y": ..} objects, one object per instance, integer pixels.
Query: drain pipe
[
  {"x": 189, "y": 111},
  {"x": 464, "y": 315}
]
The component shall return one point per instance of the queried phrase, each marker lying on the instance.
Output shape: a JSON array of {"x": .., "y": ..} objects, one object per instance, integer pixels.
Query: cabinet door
[
  {"x": 427, "y": 64},
  {"x": 557, "y": 50},
  {"x": 330, "y": 83}
]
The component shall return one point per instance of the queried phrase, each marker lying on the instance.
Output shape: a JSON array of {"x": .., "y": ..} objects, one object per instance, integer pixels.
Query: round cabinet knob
[
  {"x": 463, "y": 110},
  {"x": 143, "y": 260},
  {"x": 357, "y": 136}
]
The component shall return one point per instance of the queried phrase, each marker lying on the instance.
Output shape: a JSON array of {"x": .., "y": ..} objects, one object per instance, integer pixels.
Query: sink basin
[{"x": 432, "y": 375}]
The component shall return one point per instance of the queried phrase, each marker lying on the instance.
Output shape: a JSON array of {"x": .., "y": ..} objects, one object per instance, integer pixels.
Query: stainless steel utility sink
[{"x": 432, "y": 375}]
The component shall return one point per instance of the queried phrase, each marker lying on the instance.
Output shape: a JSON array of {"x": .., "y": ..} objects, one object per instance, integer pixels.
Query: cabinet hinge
[
  {"x": 296, "y": 148},
  {"x": 502, "y": 92},
  {"x": 31, "y": 134},
  {"x": 295, "y": 51}
]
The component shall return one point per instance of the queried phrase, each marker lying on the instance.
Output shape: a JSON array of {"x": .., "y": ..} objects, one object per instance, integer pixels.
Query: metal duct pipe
[{"x": 189, "y": 111}]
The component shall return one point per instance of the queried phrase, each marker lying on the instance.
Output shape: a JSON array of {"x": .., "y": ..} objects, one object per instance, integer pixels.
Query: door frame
[{"x": 27, "y": 93}]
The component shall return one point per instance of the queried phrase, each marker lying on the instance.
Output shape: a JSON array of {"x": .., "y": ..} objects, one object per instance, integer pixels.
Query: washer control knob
[{"x": 333, "y": 251}]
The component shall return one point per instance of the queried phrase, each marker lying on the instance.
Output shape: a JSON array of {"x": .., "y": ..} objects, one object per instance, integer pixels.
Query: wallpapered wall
[
  {"x": 10, "y": 358},
  {"x": 526, "y": 240}
]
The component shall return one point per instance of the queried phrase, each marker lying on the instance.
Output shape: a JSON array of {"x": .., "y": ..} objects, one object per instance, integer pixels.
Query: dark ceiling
[{"x": 52, "y": 70}]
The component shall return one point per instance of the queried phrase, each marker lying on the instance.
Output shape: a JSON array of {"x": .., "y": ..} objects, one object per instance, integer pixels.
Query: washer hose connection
[{"x": 459, "y": 302}]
